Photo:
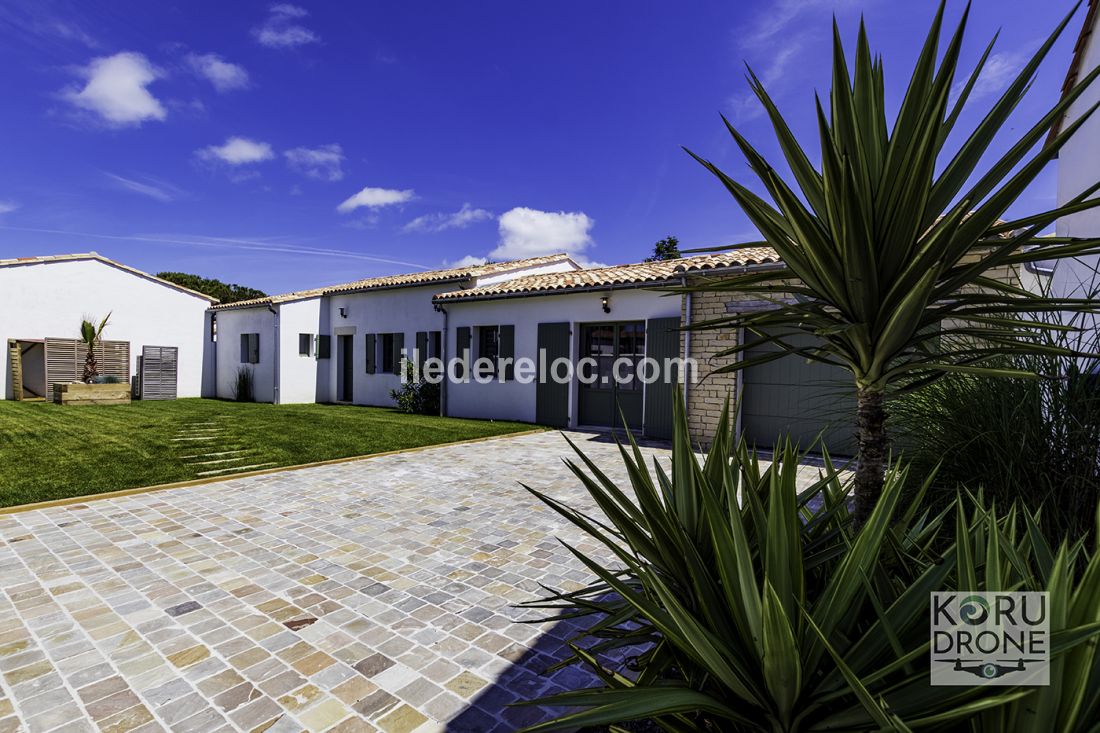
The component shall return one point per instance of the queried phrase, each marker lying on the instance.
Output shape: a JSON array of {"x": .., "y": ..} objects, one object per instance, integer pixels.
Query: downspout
[
  {"x": 443, "y": 356},
  {"x": 275, "y": 366},
  {"x": 212, "y": 334},
  {"x": 687, "y": 335}
]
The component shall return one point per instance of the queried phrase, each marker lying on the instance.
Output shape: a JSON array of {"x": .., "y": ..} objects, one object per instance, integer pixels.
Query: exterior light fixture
[
  {"x": 343, "y": 312},
  {"x": 605, "y": 301}
]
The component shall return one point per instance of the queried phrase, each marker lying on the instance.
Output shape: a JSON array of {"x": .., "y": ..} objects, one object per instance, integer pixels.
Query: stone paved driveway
[{"x": 373, "y": 595}]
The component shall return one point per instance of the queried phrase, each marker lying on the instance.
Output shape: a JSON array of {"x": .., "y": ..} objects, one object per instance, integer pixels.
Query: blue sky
[{"x": 286, "y": 146}]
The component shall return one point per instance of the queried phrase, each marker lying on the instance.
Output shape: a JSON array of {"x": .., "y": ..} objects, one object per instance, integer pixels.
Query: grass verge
[{"x": 52, "y": 452}]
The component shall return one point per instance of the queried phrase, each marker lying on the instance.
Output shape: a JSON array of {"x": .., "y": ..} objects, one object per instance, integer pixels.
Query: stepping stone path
[{"x": 209, "y": 447}]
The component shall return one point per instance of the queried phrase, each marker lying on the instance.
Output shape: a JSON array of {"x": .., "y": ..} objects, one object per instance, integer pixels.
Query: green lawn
[{"x": 51, "y": 452}]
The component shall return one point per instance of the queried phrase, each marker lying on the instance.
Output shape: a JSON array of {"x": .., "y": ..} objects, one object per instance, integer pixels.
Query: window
[
  {"x": 488, "y": 347},
  {"x": 387, "y": 351},
  {"x": 384, "y": 352},
  {"x": 497, "y": 344},
  {"x": 305, "y": 344},
  {"x": 250, "y": 348},
  {"x": 429, "y": 345}
]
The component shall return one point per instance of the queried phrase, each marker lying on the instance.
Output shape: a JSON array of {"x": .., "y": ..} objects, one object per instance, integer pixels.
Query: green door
[
  {"x": 551, "y": 398},
  {"x": 804, "y": 399},
  {"x": 613, "y": 393},
  {"x": 662, "y": 342}
]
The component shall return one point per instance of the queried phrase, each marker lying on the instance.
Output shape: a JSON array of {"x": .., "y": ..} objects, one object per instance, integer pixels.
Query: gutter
[{"x": 443, "y": 345}]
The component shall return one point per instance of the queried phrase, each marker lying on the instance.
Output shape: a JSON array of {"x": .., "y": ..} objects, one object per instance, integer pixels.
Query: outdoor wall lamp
[
  {"x": 605, "y": 301},
  {"x": 343, "y": 312}
]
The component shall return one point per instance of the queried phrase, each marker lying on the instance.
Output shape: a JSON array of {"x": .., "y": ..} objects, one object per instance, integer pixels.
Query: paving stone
[{"x": 372, "y": 594}]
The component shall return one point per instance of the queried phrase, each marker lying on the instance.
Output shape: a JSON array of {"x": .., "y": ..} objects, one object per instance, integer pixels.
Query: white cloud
[
  {"x": 281, "y": 30},
  {"x": 116, "y": 89},
  {"x": 467, "y": 261},
  {"x": 150, "y": 187},
  {"x": 6, "y": 207},
  {"x": 224, "y": 75},
  {"x": 322, "y": 162},
  {"x": 439, "y": 222},
  {"x": 238, "y": 151},
  {"x": 530, "y": 233},
  {"x": 374, "y": 198},
  {"x": 999, "y": 71}
]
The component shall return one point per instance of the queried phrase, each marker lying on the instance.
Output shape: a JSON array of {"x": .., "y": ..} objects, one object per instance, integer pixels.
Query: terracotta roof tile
[
  {"x": 609, "y": 277},
  {"x": 404, "y": 280}
]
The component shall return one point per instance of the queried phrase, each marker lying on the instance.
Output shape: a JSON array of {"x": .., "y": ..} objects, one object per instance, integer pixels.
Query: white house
[
  {"x": 44, "y": 299},
  {"x": 343, "y": 343},
  {"x": 605, "y": 316},
  {"x": 1079, "y": 163}
]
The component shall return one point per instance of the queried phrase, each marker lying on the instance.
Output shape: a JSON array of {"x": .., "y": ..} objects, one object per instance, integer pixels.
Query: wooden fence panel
[
  {"x": 159, "y": 365},
  {"x": 65, "y": 361}
]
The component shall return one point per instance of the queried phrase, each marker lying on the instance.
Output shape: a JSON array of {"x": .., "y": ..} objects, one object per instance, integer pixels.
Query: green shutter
[
  {"x": 324, "y": 347},
  {"x": 398, "y": 344},
  {"x": 421, "y": 348},
  {"x": 462, "y": 349},
  {"x": 372, "y": 353},
  {"x": 662, "y": 341},
  {"x": 506, "y": 349},
  {"x": 551, "y": 398},
  {"x": 244, "y": 348}
]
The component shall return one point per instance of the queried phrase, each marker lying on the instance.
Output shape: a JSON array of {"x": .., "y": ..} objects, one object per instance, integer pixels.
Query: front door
[
  {"x": 345, "y": 372},
  {"x": 614, "y": 392}
]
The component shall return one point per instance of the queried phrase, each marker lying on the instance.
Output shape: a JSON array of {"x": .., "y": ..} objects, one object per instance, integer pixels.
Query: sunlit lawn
[{"x": 51, "y": 452}]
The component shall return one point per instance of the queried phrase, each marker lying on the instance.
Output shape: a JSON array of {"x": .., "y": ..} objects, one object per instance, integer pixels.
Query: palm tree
[
  {"x": 887, "y": 245},
  {"x": 91, "y": 335}
]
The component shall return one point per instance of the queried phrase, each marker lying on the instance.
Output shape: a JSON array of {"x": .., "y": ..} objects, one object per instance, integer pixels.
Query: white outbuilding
[{"x": 44, "y": 299}]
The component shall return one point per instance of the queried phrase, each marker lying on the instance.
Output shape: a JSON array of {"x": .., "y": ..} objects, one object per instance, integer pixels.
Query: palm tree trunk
[
  {"x": 873, "y": 443},
  {"x": 91, "y": 367}
]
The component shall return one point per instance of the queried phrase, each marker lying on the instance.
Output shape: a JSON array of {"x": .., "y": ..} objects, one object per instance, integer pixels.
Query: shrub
[
  {"x": 773, "y": 614},
  {"x": 243, "y": 385},
  {"x": 416, "y": 397},
  {"x": 1036, "y": 441}
]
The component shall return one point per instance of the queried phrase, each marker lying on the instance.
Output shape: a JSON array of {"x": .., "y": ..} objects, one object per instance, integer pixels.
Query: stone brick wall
[{"x": 706, "y": 396}]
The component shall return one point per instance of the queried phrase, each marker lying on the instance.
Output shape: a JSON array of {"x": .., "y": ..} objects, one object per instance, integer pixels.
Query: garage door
[{"x": 791, "y": 395}]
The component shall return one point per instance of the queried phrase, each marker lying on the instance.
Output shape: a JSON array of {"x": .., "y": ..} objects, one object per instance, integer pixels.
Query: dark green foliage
[
  {"x": 224, "y": 292},
  {"x": 758, "y": 606},
  {"x": 416, "y": 397},
  {"x": 665, "y": 249},
  {"x": 1035, "y": 441}
]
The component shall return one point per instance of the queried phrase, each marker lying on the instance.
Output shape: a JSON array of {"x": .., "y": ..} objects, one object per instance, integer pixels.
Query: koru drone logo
[{"x": 990, "y": 638}]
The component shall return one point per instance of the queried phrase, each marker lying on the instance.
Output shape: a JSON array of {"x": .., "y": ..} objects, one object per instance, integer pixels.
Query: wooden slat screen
[
  {"x": 65, "y": 361},
  {"x": 159, "y": 365},
  {"x": 15, "y": 358}
]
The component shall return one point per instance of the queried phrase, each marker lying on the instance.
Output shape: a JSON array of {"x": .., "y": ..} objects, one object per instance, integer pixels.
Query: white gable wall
[
  {"x": 299, "y": 375},
  {"x": 512, "y": 400},
  {"x": 1078, "y": 169},
  {"x": 49, "y": 299},
  {"x": 232, "y": 323}
]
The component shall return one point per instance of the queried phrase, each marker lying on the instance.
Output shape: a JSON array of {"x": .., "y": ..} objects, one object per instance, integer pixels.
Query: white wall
[
  {"x": 232, "y": 323},
  {"x": 1078, "y": 169},
  {"x": 298, "y": 374},
  {"x": 512, "y": 400},
  {"x": 49, "y": 299},
  {"x": 396, "y": 310}
]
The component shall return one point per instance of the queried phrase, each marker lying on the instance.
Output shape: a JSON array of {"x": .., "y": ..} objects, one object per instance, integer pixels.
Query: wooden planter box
[{"x": 78, "y": 393}]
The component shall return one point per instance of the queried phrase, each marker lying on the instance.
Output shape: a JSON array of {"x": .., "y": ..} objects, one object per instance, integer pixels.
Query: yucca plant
[
  {"x": 91, "y": 334},
  {"x": 888, "y": 243},
  {"x": 759, "y": 607}
]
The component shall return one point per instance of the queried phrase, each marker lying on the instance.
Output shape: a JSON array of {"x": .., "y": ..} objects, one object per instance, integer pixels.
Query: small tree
[
  {"x": 91, "y": 335},
  {"x": 665, "y": 249},
  {"x": 888, "y": 248}
]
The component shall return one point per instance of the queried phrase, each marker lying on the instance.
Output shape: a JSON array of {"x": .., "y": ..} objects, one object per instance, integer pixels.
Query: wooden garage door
[{"x": 791, "y": 395}]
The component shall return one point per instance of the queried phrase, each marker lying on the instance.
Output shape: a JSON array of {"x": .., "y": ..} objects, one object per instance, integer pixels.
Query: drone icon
[{"x": 992, "y": 670}]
